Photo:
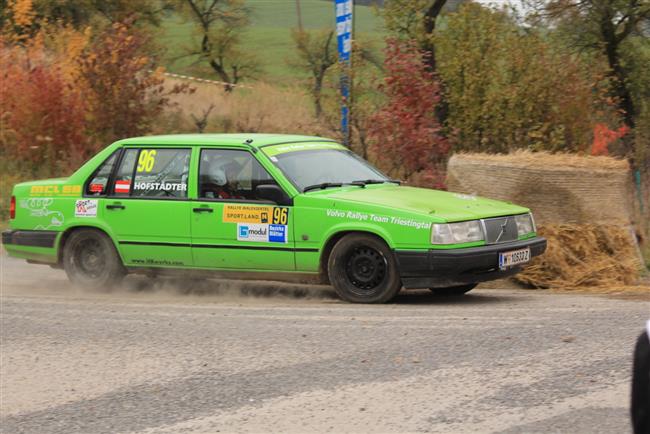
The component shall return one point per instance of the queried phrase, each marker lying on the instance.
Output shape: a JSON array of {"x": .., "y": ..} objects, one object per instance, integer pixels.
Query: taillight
[{"x": 12, "y": 208}]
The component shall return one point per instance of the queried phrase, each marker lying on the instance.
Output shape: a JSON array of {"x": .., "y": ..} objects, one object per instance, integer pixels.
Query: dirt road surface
[{"x": 168, "y": 357}]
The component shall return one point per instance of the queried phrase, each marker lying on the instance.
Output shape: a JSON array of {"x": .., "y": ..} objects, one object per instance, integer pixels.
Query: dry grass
[
  {"x": 546, "y": 160},
  {"x": 585, "y": 256},
  {"x": 256, "y": 108}
]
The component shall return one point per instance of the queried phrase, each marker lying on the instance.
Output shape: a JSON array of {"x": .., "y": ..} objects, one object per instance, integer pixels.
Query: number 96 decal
[
  {"x": 280, "y": 216},
  {"x": 146, "y": 160}
]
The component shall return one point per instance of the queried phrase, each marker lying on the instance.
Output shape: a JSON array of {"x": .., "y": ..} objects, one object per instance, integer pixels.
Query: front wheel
[
  {"x": 362, "y": 269},
  {"x": 90, "y": 260},
  {"x": 454, "y": 290}
]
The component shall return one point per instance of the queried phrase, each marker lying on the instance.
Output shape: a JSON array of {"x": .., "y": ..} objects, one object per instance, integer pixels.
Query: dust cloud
[{"x": 17, "y": 277}]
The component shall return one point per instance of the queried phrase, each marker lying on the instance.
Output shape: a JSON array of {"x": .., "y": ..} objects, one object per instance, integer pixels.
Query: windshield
[{"x": 325, "y": 166}]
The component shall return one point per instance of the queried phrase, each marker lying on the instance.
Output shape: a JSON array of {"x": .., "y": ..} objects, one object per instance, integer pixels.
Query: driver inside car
[{"x": 221, "y": 180}]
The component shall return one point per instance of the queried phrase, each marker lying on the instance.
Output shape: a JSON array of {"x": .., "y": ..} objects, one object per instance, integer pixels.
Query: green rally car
[{"x": 264, "y": 206}]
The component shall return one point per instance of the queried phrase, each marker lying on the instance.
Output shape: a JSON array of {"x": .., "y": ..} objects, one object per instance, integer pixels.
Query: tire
[
  {"x": 91, "y": 261},
  {"x": 363, "y": 269},
  {"x": 454, "y": 290}
]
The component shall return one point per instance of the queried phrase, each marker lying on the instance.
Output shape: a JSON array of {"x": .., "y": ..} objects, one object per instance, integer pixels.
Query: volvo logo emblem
[{"x": 503, "y": 230}]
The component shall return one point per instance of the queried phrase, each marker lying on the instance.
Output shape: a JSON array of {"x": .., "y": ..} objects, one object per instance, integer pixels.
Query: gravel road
[{"x": 168, "y": 357}]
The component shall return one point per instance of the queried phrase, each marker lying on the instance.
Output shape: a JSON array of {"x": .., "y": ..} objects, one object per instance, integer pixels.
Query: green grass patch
[{"x": 268, "y": 37}]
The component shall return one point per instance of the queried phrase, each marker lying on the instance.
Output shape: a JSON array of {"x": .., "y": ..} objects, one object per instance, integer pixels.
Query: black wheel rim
[
  {"x": 365, "y": 269},
  {"x": 90, "y": 258}
]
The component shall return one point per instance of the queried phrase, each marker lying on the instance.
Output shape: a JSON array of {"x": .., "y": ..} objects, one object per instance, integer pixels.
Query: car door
[
  {"x": 147, "y": 207},
  {"x": 231, "y": 227}
]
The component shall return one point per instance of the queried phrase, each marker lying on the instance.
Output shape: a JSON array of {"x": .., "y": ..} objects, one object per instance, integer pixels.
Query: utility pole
[
  {"x": 299, "y": 15},
  {"x": 344, "y": 28}
]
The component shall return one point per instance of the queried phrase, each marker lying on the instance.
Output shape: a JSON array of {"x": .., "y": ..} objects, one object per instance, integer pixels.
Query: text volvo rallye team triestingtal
[{"x": 264, "y": 206}]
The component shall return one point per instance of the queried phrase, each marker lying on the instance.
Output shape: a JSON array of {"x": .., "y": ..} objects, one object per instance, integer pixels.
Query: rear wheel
[
  {"x": 90, "y": 260},
  {"x": 454, "y": 290},
  {"x": 362, "y": 269}
]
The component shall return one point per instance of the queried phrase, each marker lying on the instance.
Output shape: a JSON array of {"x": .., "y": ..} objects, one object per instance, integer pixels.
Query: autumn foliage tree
[
  {"x": 67, "y": 94},
  {"x": 508, "y": 88},
  {"x": 408, "y": 141},
  {"x": 42, "y": 116},
  {"x": 125, "y": 90}
]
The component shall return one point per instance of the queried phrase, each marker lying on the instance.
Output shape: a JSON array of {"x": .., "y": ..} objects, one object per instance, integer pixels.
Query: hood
[{"x": 436, "y": 203}]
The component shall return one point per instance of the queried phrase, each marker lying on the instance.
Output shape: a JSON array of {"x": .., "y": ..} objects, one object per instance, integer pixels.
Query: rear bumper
[
  {"x": 29, "y": 238},
  {"x": 444, "y": 268}
]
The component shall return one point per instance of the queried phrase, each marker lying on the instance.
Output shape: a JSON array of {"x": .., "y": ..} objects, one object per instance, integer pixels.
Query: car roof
[{"x": 254, "y": 140}]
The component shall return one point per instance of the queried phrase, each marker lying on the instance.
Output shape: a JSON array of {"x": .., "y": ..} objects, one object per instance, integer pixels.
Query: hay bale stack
[
  {"x": 559, "y": 188},
  {"x": 583, "y": 205},
  {"x": 585, "y": 255}
]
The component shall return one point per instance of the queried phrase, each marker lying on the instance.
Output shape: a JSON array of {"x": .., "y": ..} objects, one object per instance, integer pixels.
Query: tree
[
  {"x": 415, "y": 20},
  {"x": 219, "y": 24},
  {"x": 316, "y": 54},
  {"x": 514, "y": 89},
  {"x": 407, "y": 137},
  {"x": 82, "y": 13},
  {"x": 607, "y": 26},
  {"x": 42, "y": 117},
  {"x": 126, "y": 89},
  {"x": 365, "y": 95}
]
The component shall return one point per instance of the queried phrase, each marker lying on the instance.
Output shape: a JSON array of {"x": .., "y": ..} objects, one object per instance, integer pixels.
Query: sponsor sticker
[
  {"x": 252, "y": 232},
  {"x": 260, "y": 232},
  {"x": 278, "y": 233},
  {"x": 376, "y": 218},
  {"x": 465, "y": 196},
  {"x": 55, "y": 190},
  {"x": 255, "y": 214},
  {"x": 39, "y": 208},
  {"x": 96, "y": 188},
  {"x": 85, "y": 208},
  {"x": 122, "y": 186}
]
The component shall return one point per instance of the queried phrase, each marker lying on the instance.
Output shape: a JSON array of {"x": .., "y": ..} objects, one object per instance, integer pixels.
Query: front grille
[{"x": 500, "y": 230}]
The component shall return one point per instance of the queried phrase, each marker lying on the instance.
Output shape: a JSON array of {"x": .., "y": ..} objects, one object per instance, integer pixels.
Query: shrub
[{"x": 407, "y": 140}]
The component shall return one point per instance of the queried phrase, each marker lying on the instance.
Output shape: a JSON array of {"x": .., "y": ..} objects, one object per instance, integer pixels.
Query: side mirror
[{"x": 274, "y": 193}]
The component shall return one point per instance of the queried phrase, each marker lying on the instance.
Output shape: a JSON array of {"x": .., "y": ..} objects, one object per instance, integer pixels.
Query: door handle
[
  {"x": 197, "y": 210},
  {"x": 115, "y": 206}
]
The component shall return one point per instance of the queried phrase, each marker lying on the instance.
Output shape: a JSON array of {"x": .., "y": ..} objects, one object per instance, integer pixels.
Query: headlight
[
  {"x": 456, "y": 233},
  {"x": 525, "y": 224}
]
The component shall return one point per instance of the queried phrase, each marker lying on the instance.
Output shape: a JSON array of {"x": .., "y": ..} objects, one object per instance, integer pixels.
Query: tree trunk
[
  {"x": 218, "y": 68},
  {"x": 429, "y": 57}
]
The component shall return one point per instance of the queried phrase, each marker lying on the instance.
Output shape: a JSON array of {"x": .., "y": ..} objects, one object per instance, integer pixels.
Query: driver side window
[{"x": 230, "y": 174}]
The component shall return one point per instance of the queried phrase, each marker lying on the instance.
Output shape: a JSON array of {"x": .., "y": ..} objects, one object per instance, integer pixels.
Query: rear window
[{"x": 99, "y": 180}]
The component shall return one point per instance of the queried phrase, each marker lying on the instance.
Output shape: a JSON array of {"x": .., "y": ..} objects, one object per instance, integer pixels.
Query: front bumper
[{"x": 437, "y": 268}]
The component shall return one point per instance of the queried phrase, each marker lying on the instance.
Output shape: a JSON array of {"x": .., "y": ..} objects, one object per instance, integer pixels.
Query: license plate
[{"x": 514, "y": 257}]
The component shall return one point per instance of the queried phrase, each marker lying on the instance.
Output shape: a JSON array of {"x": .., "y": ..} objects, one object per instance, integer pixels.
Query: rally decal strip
[{"x": 218, "y": 246}]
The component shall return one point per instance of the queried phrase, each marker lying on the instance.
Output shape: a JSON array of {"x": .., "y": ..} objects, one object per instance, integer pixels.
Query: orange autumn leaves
[{"x": 68, "y": 93}]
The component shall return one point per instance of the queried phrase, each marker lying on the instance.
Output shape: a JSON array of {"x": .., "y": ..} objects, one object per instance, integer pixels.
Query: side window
[
  {"x": 99, "y": 181},
  {"x": 161, "y": 173},
  {"x": 230, "y": 174},
  {"x": 124, "y": 175}
]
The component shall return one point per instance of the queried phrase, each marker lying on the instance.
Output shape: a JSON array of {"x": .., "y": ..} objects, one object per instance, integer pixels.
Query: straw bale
[
  {"x": 586, "y": 255},
  {"x": 546, "y": 159},
  {"x": 559, "y": 188}
]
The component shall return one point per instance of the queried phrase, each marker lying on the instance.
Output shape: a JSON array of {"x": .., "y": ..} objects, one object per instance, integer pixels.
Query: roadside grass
[
  {"x": 268, "y": 38},
  {"x": 261, "y": 107}
]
